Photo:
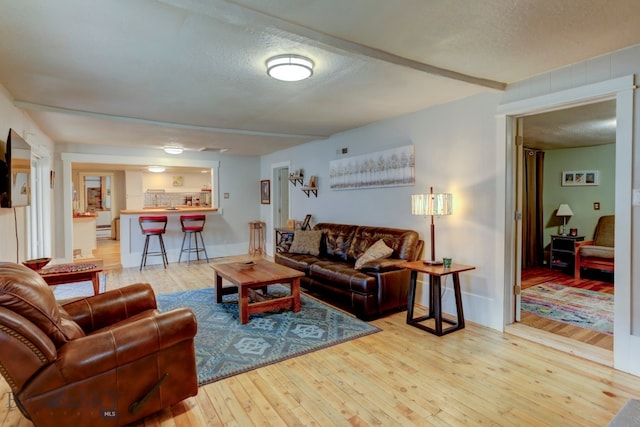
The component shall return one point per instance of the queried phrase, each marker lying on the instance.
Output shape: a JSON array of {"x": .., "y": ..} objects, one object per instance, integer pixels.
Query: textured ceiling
[{"x": 149, "y": 72}]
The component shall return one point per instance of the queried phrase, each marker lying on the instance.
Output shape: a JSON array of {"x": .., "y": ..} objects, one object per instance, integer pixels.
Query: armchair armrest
[
  {"x": 110, "y": 307},
  {"x": 92, "y": 355},
  {"x": 382, "y": 265}
]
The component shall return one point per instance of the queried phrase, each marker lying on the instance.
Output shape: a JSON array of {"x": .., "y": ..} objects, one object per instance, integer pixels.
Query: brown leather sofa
[
  {"x": 106, "y": 360},
  {"x": 378, "y": 287}
]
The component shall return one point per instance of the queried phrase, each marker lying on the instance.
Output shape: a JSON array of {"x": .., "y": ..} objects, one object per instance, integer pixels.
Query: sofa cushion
[
  {"x": 403, "y": 242},
  {"x": 343, "y": 275},
  {"x": 596, "y": 251},
  {"x": 337, "y": 239},
  {"x": 378, "y": 250},
  {"x": 306, "y": 242},
  {"x": 300, "y": 262}
]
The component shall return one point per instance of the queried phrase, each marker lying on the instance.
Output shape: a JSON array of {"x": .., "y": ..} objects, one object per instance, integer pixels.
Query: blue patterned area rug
[{"x": 225, "y": 348}]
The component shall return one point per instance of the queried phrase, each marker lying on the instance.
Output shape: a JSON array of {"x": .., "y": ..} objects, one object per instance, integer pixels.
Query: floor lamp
[{"x": 432, "y": 205}]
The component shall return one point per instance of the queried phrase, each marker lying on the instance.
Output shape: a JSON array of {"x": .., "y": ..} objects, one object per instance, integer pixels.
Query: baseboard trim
[{"x": 567, "y": 345}]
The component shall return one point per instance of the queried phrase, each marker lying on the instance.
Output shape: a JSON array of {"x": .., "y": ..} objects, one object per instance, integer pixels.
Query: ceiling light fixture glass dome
[
  {"x": 156, "y": 169},
  {"x": 289, "y": 67},
  {"x": 173, "y": 149}
]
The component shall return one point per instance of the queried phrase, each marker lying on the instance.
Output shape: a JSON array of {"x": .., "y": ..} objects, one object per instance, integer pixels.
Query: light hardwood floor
[{"x": 398, "y": 377}]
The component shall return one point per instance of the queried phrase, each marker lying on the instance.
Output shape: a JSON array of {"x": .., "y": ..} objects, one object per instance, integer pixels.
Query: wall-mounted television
[{"x": 15, "y": 171}]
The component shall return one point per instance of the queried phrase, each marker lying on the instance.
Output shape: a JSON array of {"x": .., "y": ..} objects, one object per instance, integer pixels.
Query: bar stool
[
  {"x": 256, "y": 237},
  {"x": 192, "y": 225},
  {"x": 153, "y": 225}
]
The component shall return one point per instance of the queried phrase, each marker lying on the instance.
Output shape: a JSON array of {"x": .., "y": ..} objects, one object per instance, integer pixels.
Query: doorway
[
  {"x": 621, "y": 90},
  {"x": 281, "y": 196},
  {"x": 553, "y": 298}
]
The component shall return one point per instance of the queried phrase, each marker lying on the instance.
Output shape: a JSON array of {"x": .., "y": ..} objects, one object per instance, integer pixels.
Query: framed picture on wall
[
  {"x": 306, "y": 223},
  {"x": 265, "y": 191},
  {"x": 580, "y": 178}
]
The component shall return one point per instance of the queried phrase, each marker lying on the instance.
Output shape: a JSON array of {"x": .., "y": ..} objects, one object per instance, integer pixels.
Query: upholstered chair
[
  {"x": 598, "y": 253},
  {"x": 106, "y": 360}
]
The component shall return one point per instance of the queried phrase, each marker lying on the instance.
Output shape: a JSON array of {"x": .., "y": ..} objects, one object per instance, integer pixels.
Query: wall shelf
[
  {"x": 295, "y": 180},
  {"x": 310, "y": 190}
]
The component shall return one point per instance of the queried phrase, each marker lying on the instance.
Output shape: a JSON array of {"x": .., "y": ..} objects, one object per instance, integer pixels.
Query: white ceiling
[{"x": 149, "y": 72}]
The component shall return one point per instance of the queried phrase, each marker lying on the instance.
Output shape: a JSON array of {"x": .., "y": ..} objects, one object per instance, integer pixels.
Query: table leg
[
  {"x": 412, "y": 295},
  {"x": 243, "y": 304},
  {"x": 295, "y": 293},
  {"x": 458, "y": 295},
  {"x": 436, "y": 302},
  {"x": 95, "y": 279},
  {"x": 218, "y": 279}
]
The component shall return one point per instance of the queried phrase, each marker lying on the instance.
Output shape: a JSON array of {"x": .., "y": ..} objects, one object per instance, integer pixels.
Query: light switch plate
[{"x": 636, "y": 197}]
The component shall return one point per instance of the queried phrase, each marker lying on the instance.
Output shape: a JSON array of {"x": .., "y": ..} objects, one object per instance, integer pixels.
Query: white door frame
[
  {"x": 276, "y": 197},
  {"x": 625, "y": 345}
]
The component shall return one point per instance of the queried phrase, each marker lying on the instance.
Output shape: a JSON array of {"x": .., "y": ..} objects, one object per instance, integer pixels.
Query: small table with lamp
[{"x": 435, "y": 272}]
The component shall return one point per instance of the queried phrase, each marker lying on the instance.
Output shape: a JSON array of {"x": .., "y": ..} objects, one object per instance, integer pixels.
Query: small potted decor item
[{"x": 36, "y": 264}]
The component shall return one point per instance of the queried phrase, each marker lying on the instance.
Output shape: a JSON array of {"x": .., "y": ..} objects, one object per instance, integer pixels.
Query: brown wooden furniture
[
  {"x": 435, "y": 272},
  {"x": 257, "y": 237},
  {"x": 599, "y": 252},
  {"x": 562, "y": 252},
  {"x": 246, "y": 279},
  {"x": 72, "y": 273}
]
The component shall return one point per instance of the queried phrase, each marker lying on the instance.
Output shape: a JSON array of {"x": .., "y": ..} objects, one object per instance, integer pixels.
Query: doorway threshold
[{"x": 567, "y": 345}]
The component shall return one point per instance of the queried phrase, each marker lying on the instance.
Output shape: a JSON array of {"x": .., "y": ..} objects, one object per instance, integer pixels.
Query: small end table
[
  {"x": 435, "y": 272},
  {"x": 74, "y": 272}
]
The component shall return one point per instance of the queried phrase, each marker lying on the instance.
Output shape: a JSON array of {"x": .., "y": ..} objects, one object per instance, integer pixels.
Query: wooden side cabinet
[{"x": 563, "y": 253}]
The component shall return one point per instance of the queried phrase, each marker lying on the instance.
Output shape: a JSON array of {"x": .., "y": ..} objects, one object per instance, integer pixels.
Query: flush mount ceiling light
[
  {"x": 289, "y": 68},
  {"x": 156, "y": 169},
  {"x": 173, "y": 149}
]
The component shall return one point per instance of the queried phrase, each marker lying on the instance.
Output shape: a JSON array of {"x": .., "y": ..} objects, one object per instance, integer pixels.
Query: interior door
[
  {"x": 519, "y": 161},
  {"x": 283, "y": 199}
]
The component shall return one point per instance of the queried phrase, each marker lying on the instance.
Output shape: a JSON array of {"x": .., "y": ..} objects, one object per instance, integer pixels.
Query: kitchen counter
[
  {"x": 85, "y": 215},
  {"x": 132, "y": 240},
  {"x": 167, "y": 210}
]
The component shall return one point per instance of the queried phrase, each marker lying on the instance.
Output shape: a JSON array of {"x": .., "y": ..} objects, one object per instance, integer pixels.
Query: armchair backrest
[
  {"x": 604, "y": 234},
  {"x": 25, "y": 292}
]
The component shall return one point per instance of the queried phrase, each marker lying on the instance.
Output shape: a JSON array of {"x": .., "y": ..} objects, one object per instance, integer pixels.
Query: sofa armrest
[
  {"x": 92, "y": 355},
  {"x": 110, "y": 307},
  {"x": 382, "y": 265}
]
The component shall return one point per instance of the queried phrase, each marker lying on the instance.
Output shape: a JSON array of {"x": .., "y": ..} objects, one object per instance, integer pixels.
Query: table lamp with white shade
[
  {"x": 432, "y": 205},
  {"x": 564, "y": 211}
]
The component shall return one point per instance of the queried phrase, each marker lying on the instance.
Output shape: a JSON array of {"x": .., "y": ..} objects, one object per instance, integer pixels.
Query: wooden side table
[
  {"x": 71, "y": 273},
  {"x": 435, "y": 272},
  {"x": 256, "y": 238}
]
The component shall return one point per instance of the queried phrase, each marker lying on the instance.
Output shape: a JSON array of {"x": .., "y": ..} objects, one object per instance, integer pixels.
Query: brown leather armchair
[{"x": 106, "y": 360}]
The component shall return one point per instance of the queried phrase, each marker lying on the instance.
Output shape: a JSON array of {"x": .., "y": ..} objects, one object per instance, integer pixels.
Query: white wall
[
  {"x": 13, "y": 118},
  {"x": 455, "y": 152}
]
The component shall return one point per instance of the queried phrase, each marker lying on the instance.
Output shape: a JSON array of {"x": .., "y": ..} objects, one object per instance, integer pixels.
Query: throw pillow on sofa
[
  {"x": 306, "y": 242},
  {"x": 376, "y": 251}
]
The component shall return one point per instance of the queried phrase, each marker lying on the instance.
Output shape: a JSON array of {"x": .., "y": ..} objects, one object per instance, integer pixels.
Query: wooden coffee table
[
  {"x": 75, "y": 272},
  {"x": 245, "y": 281}
]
